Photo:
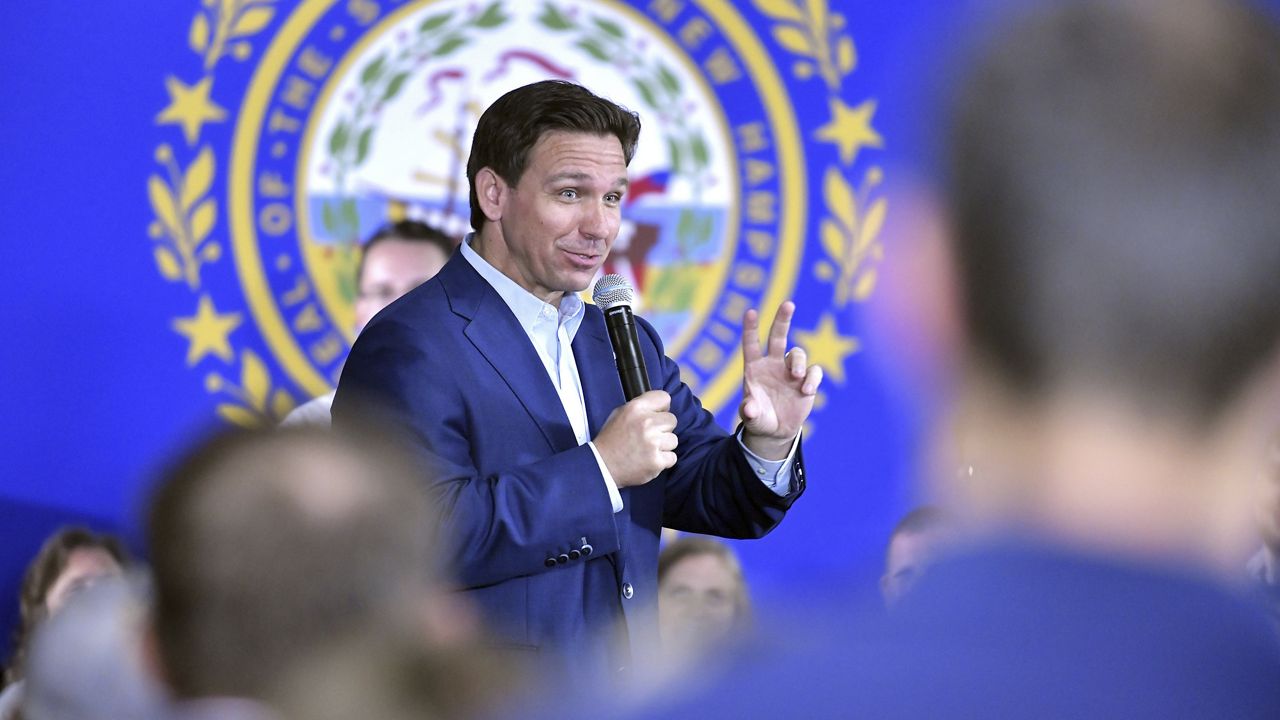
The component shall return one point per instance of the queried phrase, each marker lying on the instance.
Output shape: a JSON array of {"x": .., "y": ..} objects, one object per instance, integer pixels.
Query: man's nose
[{"x": 598, "y": 221}]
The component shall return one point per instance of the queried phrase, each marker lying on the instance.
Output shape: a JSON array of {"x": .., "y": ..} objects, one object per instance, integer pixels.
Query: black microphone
[{"x": 614, "y": 295}]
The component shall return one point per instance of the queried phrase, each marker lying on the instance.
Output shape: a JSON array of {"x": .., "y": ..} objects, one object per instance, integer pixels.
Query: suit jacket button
[
  {"x": 562, "y": 559},
  {"x": 586, "y": 550},
  {"x": 628, "y": 591},
  {"x": 550, "y": 562},
  {"x": 574, "y": 554}
]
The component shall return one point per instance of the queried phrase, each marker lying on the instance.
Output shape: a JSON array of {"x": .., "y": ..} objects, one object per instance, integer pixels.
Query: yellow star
[
  {"x": 207, "y": 332},
  {"x": 190, "y": 107},
  {"x": 825, "y": 346},
  {"x": 850, "y": 129}
]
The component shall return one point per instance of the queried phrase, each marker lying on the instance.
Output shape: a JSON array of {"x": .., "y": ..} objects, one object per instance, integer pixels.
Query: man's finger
[
  {"x": 668, "y": 442},
  {"x": 812, "y": 380},
  {"x": 780, "y": 327},
  {"x": 797, "y": 362},
  {"x": 654, "y": 400},
  {"x": 750, "y": 336}
]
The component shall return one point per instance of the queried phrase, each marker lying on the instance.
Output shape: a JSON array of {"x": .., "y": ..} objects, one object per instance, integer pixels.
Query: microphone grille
[{"x": 611, "y": 291}]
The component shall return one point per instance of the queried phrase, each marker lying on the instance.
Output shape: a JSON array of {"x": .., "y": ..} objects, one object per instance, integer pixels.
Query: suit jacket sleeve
[
  {"x": 508, "y": 502},
  {"x": 713, "y": 489}
]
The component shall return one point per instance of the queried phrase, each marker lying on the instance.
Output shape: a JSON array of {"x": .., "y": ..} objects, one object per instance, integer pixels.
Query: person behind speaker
[
  {"x": 703, "y": 603},
  {"x": 397, "y": 258},
  {"x": 553, "y": 487},
  {"x": 69, "y": 561},
  {"x": 913, "y": 546}
]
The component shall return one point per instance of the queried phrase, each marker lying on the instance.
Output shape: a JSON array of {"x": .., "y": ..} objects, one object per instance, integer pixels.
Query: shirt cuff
[
  {"x": 615, "y": 497},
  {"x": 775, "y": 474}
]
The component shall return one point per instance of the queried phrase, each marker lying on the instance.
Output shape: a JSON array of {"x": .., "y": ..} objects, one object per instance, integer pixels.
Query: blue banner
[{"x": 186, "y": 183}]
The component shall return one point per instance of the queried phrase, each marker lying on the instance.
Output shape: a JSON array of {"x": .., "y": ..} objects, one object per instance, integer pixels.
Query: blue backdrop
[{"x": 182, "y": 182}]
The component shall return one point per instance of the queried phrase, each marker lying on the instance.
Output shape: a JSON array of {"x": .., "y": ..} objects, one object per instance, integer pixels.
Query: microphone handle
[{"x": 626, "y": 351}]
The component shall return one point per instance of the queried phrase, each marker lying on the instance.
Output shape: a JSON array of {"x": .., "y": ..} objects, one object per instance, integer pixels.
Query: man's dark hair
[
  {"x": 266, "y": 546},
  {"x": 43, "y": 571},
  {"x": 1113, "y": 192},
  {"x": 408, "y": 231},
  {"x": 514, "y": 123}
]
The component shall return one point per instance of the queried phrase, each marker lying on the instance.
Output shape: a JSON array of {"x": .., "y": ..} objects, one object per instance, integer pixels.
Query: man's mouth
[{"x": 582, "y": 259}]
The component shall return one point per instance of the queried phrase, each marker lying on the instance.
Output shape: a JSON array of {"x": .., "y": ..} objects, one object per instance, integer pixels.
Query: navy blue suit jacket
[{"x": 532, "y": 533}]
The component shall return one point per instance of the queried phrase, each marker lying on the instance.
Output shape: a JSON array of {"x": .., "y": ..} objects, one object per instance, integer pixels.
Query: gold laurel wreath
[
  {"x": 222, "y": 21},
  {"x": 185, "y": 218},
  {"x": 850, "y": 231},
  {"x": 379, "y": 82}
]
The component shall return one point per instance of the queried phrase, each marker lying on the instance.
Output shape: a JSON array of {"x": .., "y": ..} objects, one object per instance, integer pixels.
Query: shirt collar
[{"x": 530, "y": 310}]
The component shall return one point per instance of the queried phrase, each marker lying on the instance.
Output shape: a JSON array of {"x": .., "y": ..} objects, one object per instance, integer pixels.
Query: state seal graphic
[{"x": 297, "y": 129}]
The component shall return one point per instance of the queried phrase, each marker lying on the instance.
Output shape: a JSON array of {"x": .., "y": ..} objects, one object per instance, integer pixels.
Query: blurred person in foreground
[
  {"x": 269, "y": 547},
  {"x": 553, "y": 485},
  {"x": 703, "y": 603},
  {"x": 1264, "y": 565},
  {"x": 913, "y": 545},
  {"x": 90, "y": 661},
  {"x": 1116, "y": 242},
  {"x": 71, "y": 560},
  {"x": 396, "y": 259},
  {"x": 391, "y": 676}
]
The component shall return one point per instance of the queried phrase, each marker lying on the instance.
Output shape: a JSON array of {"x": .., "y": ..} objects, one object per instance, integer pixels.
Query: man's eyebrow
[{"x": 578, "y": 176}]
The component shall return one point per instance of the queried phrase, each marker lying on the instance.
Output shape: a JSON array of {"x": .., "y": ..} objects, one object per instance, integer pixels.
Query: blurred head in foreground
[
  {"x": 70, "y": 561},
  {"x": 702, "y": 597},
  {"x": 1117, "y": 244},
  {"x": 913, "y": 545},
  {"x": 269, "y": 546},
  {"x": 389, "y": 676}
]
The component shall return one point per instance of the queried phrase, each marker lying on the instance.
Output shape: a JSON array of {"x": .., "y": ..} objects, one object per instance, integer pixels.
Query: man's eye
[
  {"x": 613, "y": 198},
  {"x": 569, "y": 193}
]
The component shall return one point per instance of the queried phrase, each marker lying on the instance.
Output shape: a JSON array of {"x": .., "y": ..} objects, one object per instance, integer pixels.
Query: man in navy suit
[{"x": 553, "y": 488}]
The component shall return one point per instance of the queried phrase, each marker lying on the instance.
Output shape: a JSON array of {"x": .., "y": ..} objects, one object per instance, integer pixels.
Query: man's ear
[{"x": 491, "y": 193}]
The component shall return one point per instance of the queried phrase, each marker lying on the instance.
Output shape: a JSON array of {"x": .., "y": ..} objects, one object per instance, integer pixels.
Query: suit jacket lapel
[{"x": 497, "y": 335}]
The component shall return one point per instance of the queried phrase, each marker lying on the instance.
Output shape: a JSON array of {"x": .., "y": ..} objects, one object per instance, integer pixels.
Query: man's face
[
  {"x": 697, "y": 602},
  {"x": 909, "y": 554},
  {"x": 85, "y": 566},
  {"x": 562, "y": 217},
  {"x": 392, "y": 268}
]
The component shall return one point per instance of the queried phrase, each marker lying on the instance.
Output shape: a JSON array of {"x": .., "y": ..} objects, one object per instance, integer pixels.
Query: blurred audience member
[
  {"x": 71, "y": 560},
  {"x": 88, "y": 663},
  {"x": 386, "y": 676},
  {"x": 702, "y": 597},
  {"x": 913, "y": 546},
  {"x": 1116, "y": 239},
  {"x": 1264, "y": 566},
  {"x": 268, "y": 547},
  {"x": 396, "y": 259}
]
